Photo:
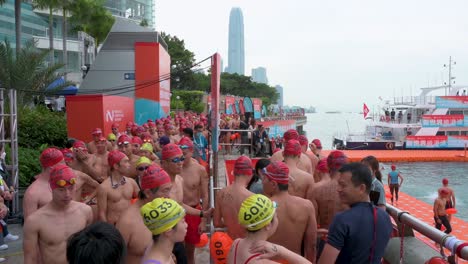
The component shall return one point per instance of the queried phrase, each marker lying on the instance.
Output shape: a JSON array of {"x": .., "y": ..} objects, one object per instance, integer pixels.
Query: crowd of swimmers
[{"x": 141, "y": 196}]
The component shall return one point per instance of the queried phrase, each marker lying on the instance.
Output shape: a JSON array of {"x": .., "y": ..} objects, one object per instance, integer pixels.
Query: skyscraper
[
  {"x": 279, "y": 89},
  {"x": 236, "y": 56},
  {"x": 134, "y": 10},
  {"x": 259, "y": 75}
]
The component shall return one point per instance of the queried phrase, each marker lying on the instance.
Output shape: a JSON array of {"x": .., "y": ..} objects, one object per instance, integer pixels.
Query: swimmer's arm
[
  {"x": 310, "y": 238},
  {"x": 136, "y": 189},
  {"x": 88, "y": 180},
  {"x": 217, "y": 219},
  {"x": 269, "y": 251},
  {"x": 30, "y": 242},
  {"x": 329, "y": 255},
  {"x": 204, "y": 188},
  {"x": 190, "y": 210},
  {"x": 91, "y": 170},
  {"x": 29, "y": 205},
  {"x": 102, "y": 204},
  {"x": 401, "y": 178},
  {"x": 435, "y": 208},
  {"x": 388, "y": 179},
  {"x": 453, "y": 199}
]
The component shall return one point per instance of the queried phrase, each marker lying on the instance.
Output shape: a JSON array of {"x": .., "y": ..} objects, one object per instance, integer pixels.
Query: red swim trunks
[{"x": 193, "y": 221}]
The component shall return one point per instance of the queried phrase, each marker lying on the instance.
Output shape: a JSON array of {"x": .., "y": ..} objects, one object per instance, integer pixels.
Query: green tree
[
  {"x": 51, "y": 5},
  {"x": 92, "y": 17},
  {"x": 144, "y": 23},
  {"x": 27, "y": 72},
  {"x": 182, "y": 61}
]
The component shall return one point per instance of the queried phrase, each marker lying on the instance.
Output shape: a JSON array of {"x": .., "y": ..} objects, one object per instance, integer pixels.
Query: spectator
[
  {"x": 99, "y": 243},
  {"x": 352, "y": 232}
]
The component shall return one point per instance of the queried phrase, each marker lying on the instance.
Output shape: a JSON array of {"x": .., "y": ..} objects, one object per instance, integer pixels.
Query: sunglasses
[
  {"x": 63, "y": 183},
  {"x": 177, "y": 160},
  {"x": 142, "y": 168}
]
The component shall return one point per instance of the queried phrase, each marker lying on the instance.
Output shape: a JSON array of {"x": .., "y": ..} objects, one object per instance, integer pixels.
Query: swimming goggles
[
  {"x": 63, "y": 183},
  {"x": 177, "y": 160},
  {"x": 143, "y": 168}
]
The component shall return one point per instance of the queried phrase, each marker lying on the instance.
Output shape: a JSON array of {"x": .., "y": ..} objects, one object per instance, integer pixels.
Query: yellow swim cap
[
  {"x": 111, "y": 136},
  {"x": 161, "y": 215},
  {"x": 147, "y": 146},
  {"x": 256, "y": 212},
  {"x": 143, "y": 160}
]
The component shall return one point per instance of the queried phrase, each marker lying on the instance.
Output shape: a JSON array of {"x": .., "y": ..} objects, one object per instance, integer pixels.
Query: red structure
[{"x": 87, "y": 112}]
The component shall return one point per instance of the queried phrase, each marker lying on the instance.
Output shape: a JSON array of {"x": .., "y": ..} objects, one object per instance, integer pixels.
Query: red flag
[{"x": 365, "y": 111}]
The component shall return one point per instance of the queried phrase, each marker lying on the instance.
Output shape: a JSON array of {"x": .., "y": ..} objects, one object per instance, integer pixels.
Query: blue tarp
[{"x": 69, "y": 90}]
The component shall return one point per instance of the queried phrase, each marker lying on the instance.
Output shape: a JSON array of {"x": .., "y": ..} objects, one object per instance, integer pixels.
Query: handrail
[{"x": 448, "y": 241}]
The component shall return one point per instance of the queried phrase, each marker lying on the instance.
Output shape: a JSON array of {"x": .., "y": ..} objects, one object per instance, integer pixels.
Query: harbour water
[{"x": 421, "y": 179}]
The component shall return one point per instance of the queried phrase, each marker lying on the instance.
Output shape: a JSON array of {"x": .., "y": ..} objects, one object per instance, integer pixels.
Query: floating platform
[
  {"x": 406, "y": 155},
  {"x": 423, "y": 211}
]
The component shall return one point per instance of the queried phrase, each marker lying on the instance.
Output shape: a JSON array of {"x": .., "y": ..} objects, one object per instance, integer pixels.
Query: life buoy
[{"x": 390, "y": 145}]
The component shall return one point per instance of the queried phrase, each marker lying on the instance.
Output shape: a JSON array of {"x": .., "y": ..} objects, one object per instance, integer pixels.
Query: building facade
[
  {"x": 279, "y": 89},
  {"x": 136, "y": 10},
  {"x": 259, "y": 75},
  {"x": 236, "y": 52}
]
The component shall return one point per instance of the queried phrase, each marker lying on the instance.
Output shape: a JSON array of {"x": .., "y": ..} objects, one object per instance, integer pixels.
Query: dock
[
  {"x": 406, "y": 155},
  {"x": 424, "y": 212}
]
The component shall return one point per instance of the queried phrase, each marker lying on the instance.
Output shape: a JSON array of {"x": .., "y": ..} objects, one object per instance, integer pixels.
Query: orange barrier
[
  {"x": 230, "y": 168},
  {"x": 406, "y": 155},
  {"x": 424, "y": 212}
]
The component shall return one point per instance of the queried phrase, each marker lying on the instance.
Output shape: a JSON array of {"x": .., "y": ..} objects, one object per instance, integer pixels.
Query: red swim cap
[
  {"x": 124, "y": 139},
  {"x": 170, "y": 151},
  {"x": 444, "y": 181},
  {"x": 317, "y": 143},
  {"x": 80, "y": 145},
  {"x": 151, "y": 123},
  {"x": 115, "y": 125},
  {"x": 278, "y": 172},
  {"x": 185, "y": 142},
  {"x": 154, "y": 177},
  {"x": 393, "y": 167},
  {"x": 243, "y": 166},
  {"x": 115, "y": 157},
  {"x": 291, "y": 134},
  {"x": 137, "y": 140},
  {"x": 50, "y": 157},
  {"x": 61, "y": 176},
  {"x": 97, "y": 131},
  {"x": 303, "y": 140},
  {"x": 292, "y": 148},
  {"x": 67, "y": 154},
  {"x": 129, "y": 124},
  {"x": 322, "y": 166},
  {"x": 336, "y": 159}
]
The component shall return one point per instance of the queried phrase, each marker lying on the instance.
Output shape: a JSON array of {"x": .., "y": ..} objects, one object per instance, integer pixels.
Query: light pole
[{"x": 177, "y": 104}]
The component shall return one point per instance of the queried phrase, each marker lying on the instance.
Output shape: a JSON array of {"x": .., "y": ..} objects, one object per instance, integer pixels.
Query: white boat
[{"x": 419, "y": 122}]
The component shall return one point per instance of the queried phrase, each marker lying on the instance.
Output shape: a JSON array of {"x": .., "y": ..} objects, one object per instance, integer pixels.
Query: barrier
[{"x": 405, "y": 155}]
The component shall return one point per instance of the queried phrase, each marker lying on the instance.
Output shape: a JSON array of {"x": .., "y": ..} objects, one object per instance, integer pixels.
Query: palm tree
[
  {"x": 51, "y": 5},
  {"x": 26, "y": 72}
]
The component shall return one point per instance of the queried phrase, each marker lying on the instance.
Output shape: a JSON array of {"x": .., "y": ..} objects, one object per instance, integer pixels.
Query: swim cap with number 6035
[
  {"x": 256, "y": 212},
  {"x": 161, "y": 215}
]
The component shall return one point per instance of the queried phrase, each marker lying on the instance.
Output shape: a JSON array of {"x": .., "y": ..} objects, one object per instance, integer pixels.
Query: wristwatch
[{"x": 201, "y": 213}]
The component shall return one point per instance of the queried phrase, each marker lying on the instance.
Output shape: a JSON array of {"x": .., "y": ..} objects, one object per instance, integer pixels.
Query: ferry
[{"x": 422, "y": 122}]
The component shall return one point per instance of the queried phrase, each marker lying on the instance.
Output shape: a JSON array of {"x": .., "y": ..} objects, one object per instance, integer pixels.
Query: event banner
[
  {"x": 436, "y": 142},
  {"x": 443, "y": 121},
  {"x": 452, "y": 102},
  {"x": 257, "y": 105},
  {"x": 229, "y": 104},
  {"x": 277, "y": 128}
]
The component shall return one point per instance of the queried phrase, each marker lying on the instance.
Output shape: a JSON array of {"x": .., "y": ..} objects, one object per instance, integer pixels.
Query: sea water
[{"x": 421, "y": 179}]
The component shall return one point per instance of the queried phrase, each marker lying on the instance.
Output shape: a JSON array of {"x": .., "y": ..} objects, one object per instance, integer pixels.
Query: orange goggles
[{"x": 63, "y": 183}]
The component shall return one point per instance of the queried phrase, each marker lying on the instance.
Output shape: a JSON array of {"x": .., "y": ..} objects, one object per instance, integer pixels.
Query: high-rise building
[
  {"x": 279, "y": 89},
  {"x": 259, "y": 75},
  {"x": 236, "y": 55},
  {"x": 136, "y": 10}
]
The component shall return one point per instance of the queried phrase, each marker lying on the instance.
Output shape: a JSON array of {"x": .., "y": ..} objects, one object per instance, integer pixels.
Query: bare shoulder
[
  {"x": 103, "y": 187},
  {"x": 277, "y": 156},
  {"x": 179, "y": 178}
]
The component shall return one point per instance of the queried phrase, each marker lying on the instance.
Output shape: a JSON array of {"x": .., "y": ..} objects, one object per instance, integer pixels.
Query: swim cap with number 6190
[
  {"x": 256, "y": 212},
  {"x": 161, "y": 215}
]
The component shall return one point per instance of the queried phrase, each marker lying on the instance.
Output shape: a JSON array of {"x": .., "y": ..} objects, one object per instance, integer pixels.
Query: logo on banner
[{"x": 114, "y": 115}]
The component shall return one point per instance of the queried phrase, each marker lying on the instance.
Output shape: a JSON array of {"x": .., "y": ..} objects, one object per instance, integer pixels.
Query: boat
[{"x": 419, "y": 122}]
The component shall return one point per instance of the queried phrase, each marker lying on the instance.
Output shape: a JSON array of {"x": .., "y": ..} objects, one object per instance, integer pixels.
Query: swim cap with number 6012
[
  {"x": 161, "y": 215},
  {"x": 256, "y": 212}
]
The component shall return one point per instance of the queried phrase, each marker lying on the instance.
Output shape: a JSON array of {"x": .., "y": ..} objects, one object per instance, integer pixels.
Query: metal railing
[
  {"x": 238, "y": 143},
  {"x": 450, "y": 242}
]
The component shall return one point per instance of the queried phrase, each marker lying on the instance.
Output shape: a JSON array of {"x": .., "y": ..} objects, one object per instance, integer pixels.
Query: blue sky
[{"x": 334, "y": 55}]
